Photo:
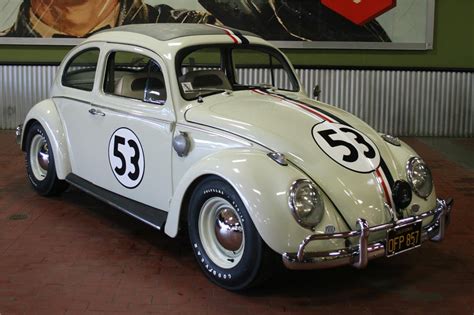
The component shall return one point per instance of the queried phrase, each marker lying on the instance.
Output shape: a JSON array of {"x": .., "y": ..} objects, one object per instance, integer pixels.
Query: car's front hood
[{"x": 310, "y": 136}]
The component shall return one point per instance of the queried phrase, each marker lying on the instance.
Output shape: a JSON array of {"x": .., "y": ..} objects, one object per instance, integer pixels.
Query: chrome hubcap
[
  {"x": 39, "y": 157},
  {"x": 43, "y": 157},
  {"x": 221, "y": 232},
  {"x": 228, "y": 229}
]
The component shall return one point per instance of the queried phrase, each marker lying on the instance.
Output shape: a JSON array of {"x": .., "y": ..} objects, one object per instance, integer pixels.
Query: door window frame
[{"x": 117, "y": 47}]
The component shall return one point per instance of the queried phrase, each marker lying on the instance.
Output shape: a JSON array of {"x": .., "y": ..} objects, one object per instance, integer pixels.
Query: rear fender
[{"x": 47, "y": 115}]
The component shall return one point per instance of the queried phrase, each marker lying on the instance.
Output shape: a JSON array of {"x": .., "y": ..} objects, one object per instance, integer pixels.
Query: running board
[{"x": 149, "y": 215}]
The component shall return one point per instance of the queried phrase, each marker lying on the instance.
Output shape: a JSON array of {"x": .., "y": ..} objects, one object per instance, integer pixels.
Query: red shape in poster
[{"x": 360, "y": 11}]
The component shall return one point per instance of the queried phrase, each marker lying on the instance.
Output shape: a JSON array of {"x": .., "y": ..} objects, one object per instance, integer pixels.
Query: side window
[
  {"x": 80, "y": 71},
  {"x": 134, "y": 76}
]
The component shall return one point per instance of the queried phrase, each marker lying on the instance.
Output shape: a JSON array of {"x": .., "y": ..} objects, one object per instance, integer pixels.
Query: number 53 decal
[
  {"x": 126, "y": 157},
  {"x": 347, "y": 146}
]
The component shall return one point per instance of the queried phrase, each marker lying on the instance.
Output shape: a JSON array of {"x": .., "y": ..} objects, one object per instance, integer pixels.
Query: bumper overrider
[
  {"x": 359, "y": 255},
  {"x": 18, "y": 132}
]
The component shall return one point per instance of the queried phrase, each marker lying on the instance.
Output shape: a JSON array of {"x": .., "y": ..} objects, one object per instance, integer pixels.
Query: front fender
[
  {"x": 263, "y": 185},
  {"x": 47, "y": 115}
]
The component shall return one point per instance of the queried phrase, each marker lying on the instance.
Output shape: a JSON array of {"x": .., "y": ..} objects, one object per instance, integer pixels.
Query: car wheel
[
  {"x": 40, "y": 164},
  {"x": 225, "y": 241}
]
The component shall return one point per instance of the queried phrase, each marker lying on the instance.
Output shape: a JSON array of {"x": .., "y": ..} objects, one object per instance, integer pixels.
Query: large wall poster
[{"x": 341, "y": 24}]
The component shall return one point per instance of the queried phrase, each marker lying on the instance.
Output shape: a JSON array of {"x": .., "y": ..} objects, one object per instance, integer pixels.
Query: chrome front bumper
[
  {"x": 18, "y": 132},
  {"x": 359, "y": 255}
]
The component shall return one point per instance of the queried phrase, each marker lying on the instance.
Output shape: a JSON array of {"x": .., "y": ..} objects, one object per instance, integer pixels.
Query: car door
[
  {"x": 132, "y": 121},
  {"x": 73, "y": 93}
]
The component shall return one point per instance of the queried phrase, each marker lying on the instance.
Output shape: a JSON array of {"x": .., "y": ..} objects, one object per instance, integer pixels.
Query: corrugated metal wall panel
[
  {"x": 404, "y": 103},
  {"x": 20, "y": 88}
]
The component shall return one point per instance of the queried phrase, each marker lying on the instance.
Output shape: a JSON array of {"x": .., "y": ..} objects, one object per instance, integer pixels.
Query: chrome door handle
[{"x": 94, "y": 111}]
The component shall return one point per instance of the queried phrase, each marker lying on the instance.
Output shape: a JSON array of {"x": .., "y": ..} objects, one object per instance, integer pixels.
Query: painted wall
[{"x": 453, "y": 47}]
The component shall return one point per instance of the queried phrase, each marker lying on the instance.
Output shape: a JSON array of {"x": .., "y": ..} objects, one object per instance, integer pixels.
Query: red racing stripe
[
  {"x": 234, "y": 38},
  {"x": 231, "y": 34},
  {"x": 322, "y": 116},
  {"x": 385, "y": 186}
]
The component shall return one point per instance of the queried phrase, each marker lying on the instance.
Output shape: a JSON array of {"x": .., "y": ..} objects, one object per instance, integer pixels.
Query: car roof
[{"x": 170, "y": 31}]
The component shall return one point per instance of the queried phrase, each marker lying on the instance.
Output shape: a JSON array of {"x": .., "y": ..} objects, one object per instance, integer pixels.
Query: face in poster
[{"x": 276, "y": 20}]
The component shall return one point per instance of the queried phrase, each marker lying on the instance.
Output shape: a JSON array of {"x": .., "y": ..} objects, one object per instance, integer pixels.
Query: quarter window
[
  {"x": 81, "y": 69},
  {"x": 135, "y": 76}
]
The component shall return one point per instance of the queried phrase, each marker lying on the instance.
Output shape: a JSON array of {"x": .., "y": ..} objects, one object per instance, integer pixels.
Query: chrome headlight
[
  {"x": 419, "y": 177},
  {"x": 306, "y": 203}
]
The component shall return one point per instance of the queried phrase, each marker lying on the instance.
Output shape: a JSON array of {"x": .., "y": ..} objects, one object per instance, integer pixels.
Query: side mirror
[{"x": 317, "y": 92}]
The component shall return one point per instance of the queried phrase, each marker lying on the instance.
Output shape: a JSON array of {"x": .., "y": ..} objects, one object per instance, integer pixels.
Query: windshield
[{"x": 207, "y": 70}]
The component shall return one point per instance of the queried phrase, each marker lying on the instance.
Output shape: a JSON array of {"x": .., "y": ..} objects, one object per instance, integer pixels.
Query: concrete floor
[{"x": 76, "y": 255}]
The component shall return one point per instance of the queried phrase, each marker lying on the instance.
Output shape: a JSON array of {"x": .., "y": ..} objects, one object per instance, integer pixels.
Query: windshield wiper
[
  {"x": 266, "y": 86},
  {"x": 263, "y": 86},
  {"x": 200, "y": 90}
]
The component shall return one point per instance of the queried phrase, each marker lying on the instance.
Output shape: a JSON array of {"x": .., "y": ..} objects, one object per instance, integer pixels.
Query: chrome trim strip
[
  {"x": 139, "y": 116},
  {"x": 359, "y": 255},
  {"x": 71, "y": 98},
  {"x": 118, "y": 111}
]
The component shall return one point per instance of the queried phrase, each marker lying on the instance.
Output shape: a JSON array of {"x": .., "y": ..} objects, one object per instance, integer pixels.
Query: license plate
[{"x": 403, "y": 238}]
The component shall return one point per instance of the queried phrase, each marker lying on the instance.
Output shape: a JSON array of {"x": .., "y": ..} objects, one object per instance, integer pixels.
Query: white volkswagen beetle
[{"x": 209, "y": 127}]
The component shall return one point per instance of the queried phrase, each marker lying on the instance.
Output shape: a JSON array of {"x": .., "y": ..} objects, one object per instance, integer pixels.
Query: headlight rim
[
  {"x": 409, "y": 171},
  {"x": 292, "y": 202}
]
